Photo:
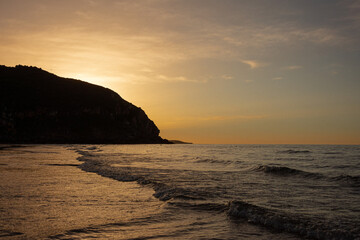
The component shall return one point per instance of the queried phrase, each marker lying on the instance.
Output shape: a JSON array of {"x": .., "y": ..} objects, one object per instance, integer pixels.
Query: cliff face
[{"x": 39, "y": 107}]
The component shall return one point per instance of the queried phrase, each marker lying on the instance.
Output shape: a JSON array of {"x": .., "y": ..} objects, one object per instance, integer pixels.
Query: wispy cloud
[
  {"x": 227, "y": 77},
  {"x": 253, "y": 64},
  {"x": 277, "y": 78},
  {"x": 261, "y": 36},
  {"x": 164, "y": 78},
  {"x": 225, "y": 117},
  {"x": 197, "y": 120},
  {"x": 146, "y": 70},
  {"x": 146, "y": 77},
  {"x": 127, "y": 44},
  {"x": 294, "y": 67}
]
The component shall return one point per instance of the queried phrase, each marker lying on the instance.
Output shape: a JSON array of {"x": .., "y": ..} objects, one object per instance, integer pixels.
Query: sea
[{"x": 180, "y": 191}]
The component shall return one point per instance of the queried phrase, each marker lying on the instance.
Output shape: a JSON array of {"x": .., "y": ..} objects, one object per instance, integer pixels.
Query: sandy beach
[{"x": 44, "y": 195}]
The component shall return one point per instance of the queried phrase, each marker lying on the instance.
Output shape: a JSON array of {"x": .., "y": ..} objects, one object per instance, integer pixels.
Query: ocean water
[
  {"x": 306, "y": 191},
  {"x": 209, "y": 191}
]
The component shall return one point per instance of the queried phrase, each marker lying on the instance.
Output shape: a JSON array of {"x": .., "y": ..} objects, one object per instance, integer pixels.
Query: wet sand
[{"x": 43, "y": 194}]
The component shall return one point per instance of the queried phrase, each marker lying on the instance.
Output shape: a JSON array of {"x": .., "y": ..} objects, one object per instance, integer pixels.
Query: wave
[
  {"x": 291, "y": 151},
  {"x": 92, "y": 148},
  {"x": 217, "y": 161},
  {"x": 283, "y": 222},
  {"x": 333, "y": 153},
  {"x": 163, "y": 191},
  {"x": 348, "y": 179},
  {"x": 213, "y": 207},
  {"x": 275, "y": 220},
  {"x": 352, "y": 181},
  {"x": 61, "y": 165},
  {"x": 5, "y": 147},
  {"x": 104, "y": 231},
  {"x": 285, "y": 171},
  {"x": 7, "y": 233},
  {"x": 279, "y": 221}
]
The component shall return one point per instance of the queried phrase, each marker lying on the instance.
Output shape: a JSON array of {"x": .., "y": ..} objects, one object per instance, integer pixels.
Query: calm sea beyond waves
[{"x": 180, "y": 191}]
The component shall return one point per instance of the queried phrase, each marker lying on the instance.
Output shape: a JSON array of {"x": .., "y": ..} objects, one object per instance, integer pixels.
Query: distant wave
[
  {"x": 61, "y": 165},
  {"x": 7, "y": 233},
  {"x": 285, "y": 171},
  {"x": 209, "y": 160},
  {"x": 217, "y": 161},
  {"x": 333, "y": 153},
  {"x": 353, "y": 181},
  {"x": 214, "y": 207},
  {"x": 291, "y": 151},
  {"x": 283, "y": 222},
  {"x": 164, "y": 192}
]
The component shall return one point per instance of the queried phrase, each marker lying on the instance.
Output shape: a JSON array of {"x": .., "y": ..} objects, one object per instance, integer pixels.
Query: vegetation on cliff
[{"x": 39, "y": 107}]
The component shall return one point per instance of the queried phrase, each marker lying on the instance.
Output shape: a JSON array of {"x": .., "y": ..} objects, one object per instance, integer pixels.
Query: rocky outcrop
[
  {"x": 178, "y": 142},
  {"x": 39, "y": 107}
]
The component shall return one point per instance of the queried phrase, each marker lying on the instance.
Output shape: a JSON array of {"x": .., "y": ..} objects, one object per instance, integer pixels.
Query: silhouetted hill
[{"x": 39, "y": 107}]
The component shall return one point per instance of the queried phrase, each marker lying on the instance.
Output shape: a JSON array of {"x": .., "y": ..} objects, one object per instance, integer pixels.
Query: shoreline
[{"x": 45, "y": 194}]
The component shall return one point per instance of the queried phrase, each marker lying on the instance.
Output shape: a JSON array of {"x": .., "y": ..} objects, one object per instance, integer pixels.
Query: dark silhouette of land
[
  {"x": 39, "y": 107},
  {"x": 179, "y": 142}
]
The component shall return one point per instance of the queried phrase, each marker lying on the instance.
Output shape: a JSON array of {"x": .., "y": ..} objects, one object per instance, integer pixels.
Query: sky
[{"x": 205, "y": 71}]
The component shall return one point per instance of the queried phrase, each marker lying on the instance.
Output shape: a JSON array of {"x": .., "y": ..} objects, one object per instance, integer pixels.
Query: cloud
[
  {"x": 176, "y": 35},
  {"x": 151, "y": 77},
  {"x": 196, "y": 120},
  {"x": 253, "y": 64},
  {"x": 353, "y": 16},
  {"x": 320, "y": 36},
  {"x": 227, "y": 77},
  {"x": 223, "y": 118},
  {"x": 262, "y": 36},
  {"x": 146, "y": 70},
  {"x": 236, "y": 117},
  {"x": 277, "y": 78},
  {"x": 163, "y": 78},
  {"x": 294, "y": 67}
]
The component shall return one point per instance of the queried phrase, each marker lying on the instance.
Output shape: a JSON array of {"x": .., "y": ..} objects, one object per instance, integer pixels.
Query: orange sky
[{"x": 205, "y": 71}]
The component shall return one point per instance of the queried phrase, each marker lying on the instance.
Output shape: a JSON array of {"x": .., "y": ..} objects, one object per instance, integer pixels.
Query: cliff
[{"x": 39, "y": 107}]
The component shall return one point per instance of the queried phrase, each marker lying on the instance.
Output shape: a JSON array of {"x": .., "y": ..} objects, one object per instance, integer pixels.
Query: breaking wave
[
  {"x": 283, "y": 222},
  {"x": 163, "y": 191}
]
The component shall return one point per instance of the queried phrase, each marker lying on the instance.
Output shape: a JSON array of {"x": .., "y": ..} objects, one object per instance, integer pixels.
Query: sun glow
[
  {"x": 94, "y": 79},
  {"x": 232, "y": 73}
]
